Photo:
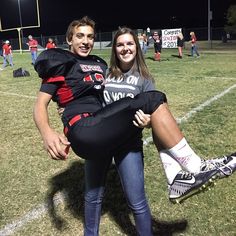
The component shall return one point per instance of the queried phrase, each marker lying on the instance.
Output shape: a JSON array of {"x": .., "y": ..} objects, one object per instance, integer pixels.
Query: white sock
[
  {"x": 186, "y": 157},
  {"x": 170, "y": 165}
]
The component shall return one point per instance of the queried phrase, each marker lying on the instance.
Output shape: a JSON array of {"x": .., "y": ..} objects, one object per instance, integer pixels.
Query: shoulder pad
[{"x": 54, "y": 62}]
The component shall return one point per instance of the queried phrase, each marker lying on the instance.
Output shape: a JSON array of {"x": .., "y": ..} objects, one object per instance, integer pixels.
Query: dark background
[{"x": 55, "y": 15}]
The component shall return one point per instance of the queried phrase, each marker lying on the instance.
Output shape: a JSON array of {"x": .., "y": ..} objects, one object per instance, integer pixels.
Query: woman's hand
[
  {"x": 60, "y": 110},
  {"x": 142, "y": 120}
]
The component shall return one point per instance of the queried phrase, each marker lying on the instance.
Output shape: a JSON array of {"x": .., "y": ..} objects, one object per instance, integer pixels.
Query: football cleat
[
  {"x": 187, "y": 184},
  {"x": 225, "y": 165}
]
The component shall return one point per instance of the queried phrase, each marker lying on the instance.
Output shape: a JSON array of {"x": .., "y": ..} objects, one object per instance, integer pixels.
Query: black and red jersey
[{"x": 74, "y": 82}]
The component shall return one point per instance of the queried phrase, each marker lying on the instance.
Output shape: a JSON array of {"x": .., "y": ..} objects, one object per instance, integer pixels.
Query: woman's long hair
[{"x": 139, "y": 63}]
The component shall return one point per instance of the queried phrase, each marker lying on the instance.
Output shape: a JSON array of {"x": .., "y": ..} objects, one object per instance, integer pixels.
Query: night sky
[{"x": 55, "y": 15}]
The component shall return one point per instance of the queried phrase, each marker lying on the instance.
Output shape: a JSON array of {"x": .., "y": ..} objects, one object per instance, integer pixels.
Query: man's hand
[
  {"x": 56, "y": 145},
  {"x": 142, "y": 120}
]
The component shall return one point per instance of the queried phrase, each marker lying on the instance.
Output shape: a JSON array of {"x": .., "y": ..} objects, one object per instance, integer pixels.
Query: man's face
[{"x": 82, "y": 40}]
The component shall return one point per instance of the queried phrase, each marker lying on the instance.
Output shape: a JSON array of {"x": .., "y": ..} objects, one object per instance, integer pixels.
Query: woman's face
[{"x": 126, "y": 50}]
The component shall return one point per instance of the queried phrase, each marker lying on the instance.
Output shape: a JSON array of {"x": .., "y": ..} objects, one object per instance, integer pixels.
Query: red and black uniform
[{"x": 77, "y": 84}]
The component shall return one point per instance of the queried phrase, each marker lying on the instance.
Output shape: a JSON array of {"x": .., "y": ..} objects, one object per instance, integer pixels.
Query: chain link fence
[{"x": 103, "y": 39}]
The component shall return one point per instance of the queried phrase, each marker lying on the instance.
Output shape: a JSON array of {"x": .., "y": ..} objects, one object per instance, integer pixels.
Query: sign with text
[{"x": 169, "y": 37}]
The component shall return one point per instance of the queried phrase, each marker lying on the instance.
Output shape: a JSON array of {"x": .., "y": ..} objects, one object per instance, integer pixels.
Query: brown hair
[
  {"x": 139, "y": 65},
  {"x": 77, "y": 23}
]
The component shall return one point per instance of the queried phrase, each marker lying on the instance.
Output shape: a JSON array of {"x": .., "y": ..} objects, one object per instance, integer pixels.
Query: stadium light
[
  {"x": 19, "y": 8},
  {"x": 209, "y": 21},
  {"x": 20, "y": 29}
]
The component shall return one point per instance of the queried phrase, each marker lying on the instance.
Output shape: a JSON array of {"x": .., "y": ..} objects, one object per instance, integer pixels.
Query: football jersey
[{"x": 75, "y": 82}]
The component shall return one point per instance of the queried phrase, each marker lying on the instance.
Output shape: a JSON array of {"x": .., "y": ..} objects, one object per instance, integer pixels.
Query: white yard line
[
  {"x": 206, "y": 103},
  {"x": 17, "y": 95},
  {"x": 197, "y": 109},
  {"x": 34, "y": 214},
  {"x": 42, "y": 209},
  {"x": 217, "y": 77}
]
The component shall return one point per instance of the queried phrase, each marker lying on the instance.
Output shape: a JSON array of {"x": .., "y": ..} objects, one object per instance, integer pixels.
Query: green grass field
[{"x": 40, "y": 196}]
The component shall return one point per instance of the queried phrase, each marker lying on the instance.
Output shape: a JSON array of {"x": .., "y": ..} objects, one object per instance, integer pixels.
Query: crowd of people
[
  {"x": 156, "y": 38},
  {"x": 84, "y": 88},
  {"x": 7, "y": 51},
  {"x": 144, "y": 38}
]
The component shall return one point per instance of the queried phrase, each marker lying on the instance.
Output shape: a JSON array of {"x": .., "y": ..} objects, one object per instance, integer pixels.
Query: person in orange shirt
[
  {"x": 50, "y": 44},
  {"x": 7, "y": 54}
]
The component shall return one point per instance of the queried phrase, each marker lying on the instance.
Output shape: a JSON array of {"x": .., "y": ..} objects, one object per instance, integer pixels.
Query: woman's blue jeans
[
  {"x": 131, "y": 172},
  {"x": 194, "y": 50}
]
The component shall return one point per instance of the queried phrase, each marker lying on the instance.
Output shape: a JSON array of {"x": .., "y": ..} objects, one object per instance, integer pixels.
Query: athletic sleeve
[{"x": 49, "y": 88}]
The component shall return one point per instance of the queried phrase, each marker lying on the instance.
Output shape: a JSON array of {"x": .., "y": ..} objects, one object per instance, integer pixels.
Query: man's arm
[{"x": 54, "y": 143}]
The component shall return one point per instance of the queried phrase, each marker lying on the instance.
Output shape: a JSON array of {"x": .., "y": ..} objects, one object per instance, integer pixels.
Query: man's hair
[{"x": 77, "y": 23}]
